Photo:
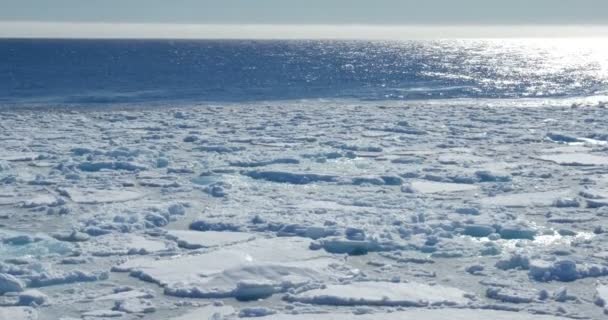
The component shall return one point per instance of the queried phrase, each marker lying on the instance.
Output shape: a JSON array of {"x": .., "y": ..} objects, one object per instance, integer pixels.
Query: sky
[
  {"x": 23, "y": 17},
  {"x": 310, "y": 11}
]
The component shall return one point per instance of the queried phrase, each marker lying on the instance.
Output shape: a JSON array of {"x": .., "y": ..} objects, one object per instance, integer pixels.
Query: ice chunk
[
  {"x": 512, "y": 295},
  {"x": 575, "y": 159},
  {"x": 97, "y": 196},
  {"x": 197, "y": 239},
  {"x": 134, "y": 306},
  {"x": 41, "y": 200},
  {"x": 113, "y": 165},
  {"x": 247, "y": 270},
  {"x": 262, "y": 163},
  {"x": 478, "y": 230},
  {"x": 103, "y": 314},
  {"x": 73, "y": 236},
  {"x": 32, "y": 297},
  {"x": 9, "y": 283},
  {"x": 531, "y": 199},
  {"x": 422, "y": 186},
  {"x": 601, "y": 295},
  {"x": 383, "y": 294},
  {"x": 517, "y": 231},
  {"x": 255, "y": 312},
  {"x": 352, "y": 247},
  {"x": 468, "y": 211},
  {"x": 21, "y": 245},
  {"x": 122, "y": 244},
  {"x": 125, "y": 295},
  {"x": 290, "y": 177},
  {"x": 513, "y": 262},
  {"x": 19, "y": 156},
  {"x": 213, "y": 225},
  {"x": 561, "y": 270},
  {"x": 56, "y": 278}
]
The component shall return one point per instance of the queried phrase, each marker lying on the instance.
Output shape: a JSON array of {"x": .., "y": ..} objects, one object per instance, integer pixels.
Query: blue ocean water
[{"x": 143, "y": 71}]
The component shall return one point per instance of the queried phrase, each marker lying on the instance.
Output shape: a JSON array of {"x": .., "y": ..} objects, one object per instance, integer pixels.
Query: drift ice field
[{"x": 491, "y": 203}]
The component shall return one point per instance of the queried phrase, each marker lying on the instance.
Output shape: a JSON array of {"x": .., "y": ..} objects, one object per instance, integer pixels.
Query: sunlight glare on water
[{"x": 62, "y": 71}]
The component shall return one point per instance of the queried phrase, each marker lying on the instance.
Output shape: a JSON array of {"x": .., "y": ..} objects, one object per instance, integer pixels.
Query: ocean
[{"x": 99, "y": 72}]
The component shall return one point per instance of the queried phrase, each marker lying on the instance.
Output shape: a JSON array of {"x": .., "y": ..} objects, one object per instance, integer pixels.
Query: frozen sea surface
[{"x": 336, "y": 210}]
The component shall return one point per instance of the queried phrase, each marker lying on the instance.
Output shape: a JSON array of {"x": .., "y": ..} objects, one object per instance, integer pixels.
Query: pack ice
[{"x": 304, "y": 210}]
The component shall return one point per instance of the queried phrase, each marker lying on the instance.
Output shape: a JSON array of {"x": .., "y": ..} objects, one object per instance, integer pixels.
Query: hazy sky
[{"x": 402, "y": 12}]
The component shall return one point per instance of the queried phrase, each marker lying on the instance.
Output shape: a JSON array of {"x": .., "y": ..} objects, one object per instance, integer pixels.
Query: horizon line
[{"x": 186, "y": 31}]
